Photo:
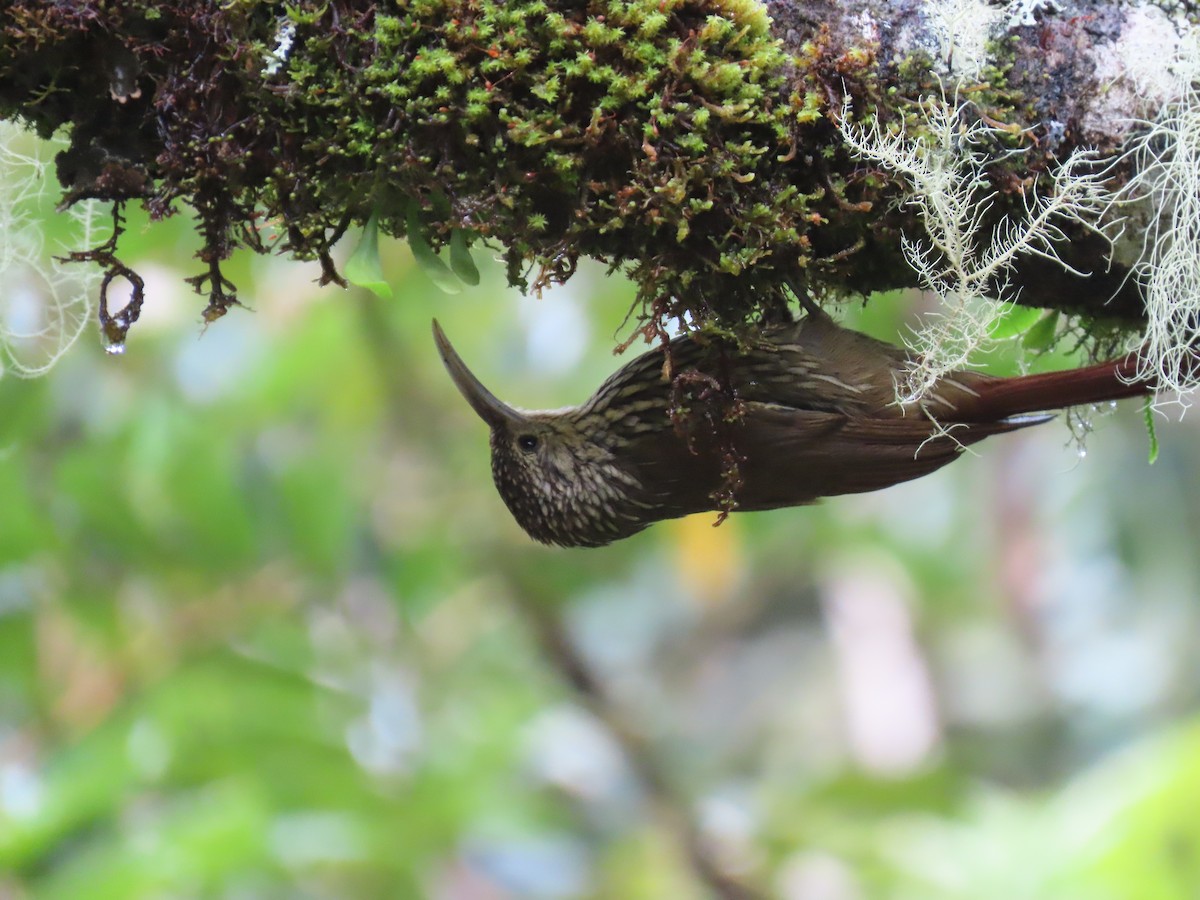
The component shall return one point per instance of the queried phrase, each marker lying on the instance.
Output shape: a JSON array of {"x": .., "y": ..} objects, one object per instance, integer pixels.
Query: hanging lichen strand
[{"x": 654, "y": 135}]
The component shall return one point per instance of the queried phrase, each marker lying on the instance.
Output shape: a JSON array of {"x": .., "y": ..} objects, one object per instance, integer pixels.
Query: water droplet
[
  {"x": 114, "y": 348},
  {"x": 1083, "y": 452}
]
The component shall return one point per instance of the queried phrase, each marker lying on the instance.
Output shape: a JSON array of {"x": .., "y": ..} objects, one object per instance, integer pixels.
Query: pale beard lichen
[
  {"x": 1167, "y": 188},
  {"x": 45, "y": 303},
  {"x": 961, "y": 259}
]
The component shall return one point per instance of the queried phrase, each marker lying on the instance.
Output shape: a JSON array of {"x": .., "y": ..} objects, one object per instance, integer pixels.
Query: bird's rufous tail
[{"x": 1001, "y": 398}]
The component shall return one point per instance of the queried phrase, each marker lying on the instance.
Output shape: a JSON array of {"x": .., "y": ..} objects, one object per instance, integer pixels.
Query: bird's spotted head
[{"x": 558, "y": 472}]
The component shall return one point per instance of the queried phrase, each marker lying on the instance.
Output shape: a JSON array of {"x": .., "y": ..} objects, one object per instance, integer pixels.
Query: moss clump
[{"x": 655, "y": 135}]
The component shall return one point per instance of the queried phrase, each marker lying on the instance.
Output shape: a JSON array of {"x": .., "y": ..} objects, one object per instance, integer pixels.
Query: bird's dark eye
[{"x": 527, "y": 442}]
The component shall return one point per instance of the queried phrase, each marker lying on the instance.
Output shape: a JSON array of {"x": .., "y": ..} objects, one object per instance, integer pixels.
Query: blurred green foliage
[{"x": 266, "y": 631}]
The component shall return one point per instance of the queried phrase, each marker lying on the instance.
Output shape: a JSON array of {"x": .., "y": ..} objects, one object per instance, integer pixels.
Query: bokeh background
[{"x": 267, "y": 631}]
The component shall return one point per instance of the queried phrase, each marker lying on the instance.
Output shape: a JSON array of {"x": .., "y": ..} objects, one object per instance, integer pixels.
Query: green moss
[{"x": 658, "y": 136}]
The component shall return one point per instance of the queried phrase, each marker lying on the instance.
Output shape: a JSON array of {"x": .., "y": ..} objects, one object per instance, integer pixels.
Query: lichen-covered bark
[
  {"x": 690, "y": 142},
  {"x": 1067, "y": 75}
]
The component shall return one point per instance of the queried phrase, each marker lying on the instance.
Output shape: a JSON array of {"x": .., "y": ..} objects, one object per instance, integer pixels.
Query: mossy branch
[{"x": 688, "y": 143}]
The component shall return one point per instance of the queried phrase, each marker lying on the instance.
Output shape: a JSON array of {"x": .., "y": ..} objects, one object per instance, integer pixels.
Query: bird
[{"x": 792, "y": 413}]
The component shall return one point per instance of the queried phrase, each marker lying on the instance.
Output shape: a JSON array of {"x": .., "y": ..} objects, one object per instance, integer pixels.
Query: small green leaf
[
  {"x": 1148, "y": 415},
  {"x": 429, "y": 262},
  {"x": 1013, "y": 321},
  {"x": 363, "y": 267},
  {"x": 460, "y": 258},
  {"x": 1041, "y": 336}
]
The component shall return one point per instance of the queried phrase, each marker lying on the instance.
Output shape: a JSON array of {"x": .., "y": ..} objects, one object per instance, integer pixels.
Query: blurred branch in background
[{"x": 673, "y": 808}]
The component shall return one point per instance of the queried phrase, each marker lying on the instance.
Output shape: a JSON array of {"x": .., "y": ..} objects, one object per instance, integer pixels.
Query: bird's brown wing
[
  {"x": 794, "y": 456},
  {"x": 815, "y": 364}
]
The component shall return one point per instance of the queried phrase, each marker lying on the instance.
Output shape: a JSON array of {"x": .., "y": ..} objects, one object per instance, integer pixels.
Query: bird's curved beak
[{"x": 485, "y": 404}]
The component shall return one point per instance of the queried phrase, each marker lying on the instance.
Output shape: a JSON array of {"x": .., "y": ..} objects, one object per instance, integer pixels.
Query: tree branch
[{"x": 690, "y": 143}]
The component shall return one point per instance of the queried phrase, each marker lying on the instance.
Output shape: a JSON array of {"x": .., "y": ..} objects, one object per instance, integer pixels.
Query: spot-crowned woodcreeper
[{"x": 803, "y": 410}]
